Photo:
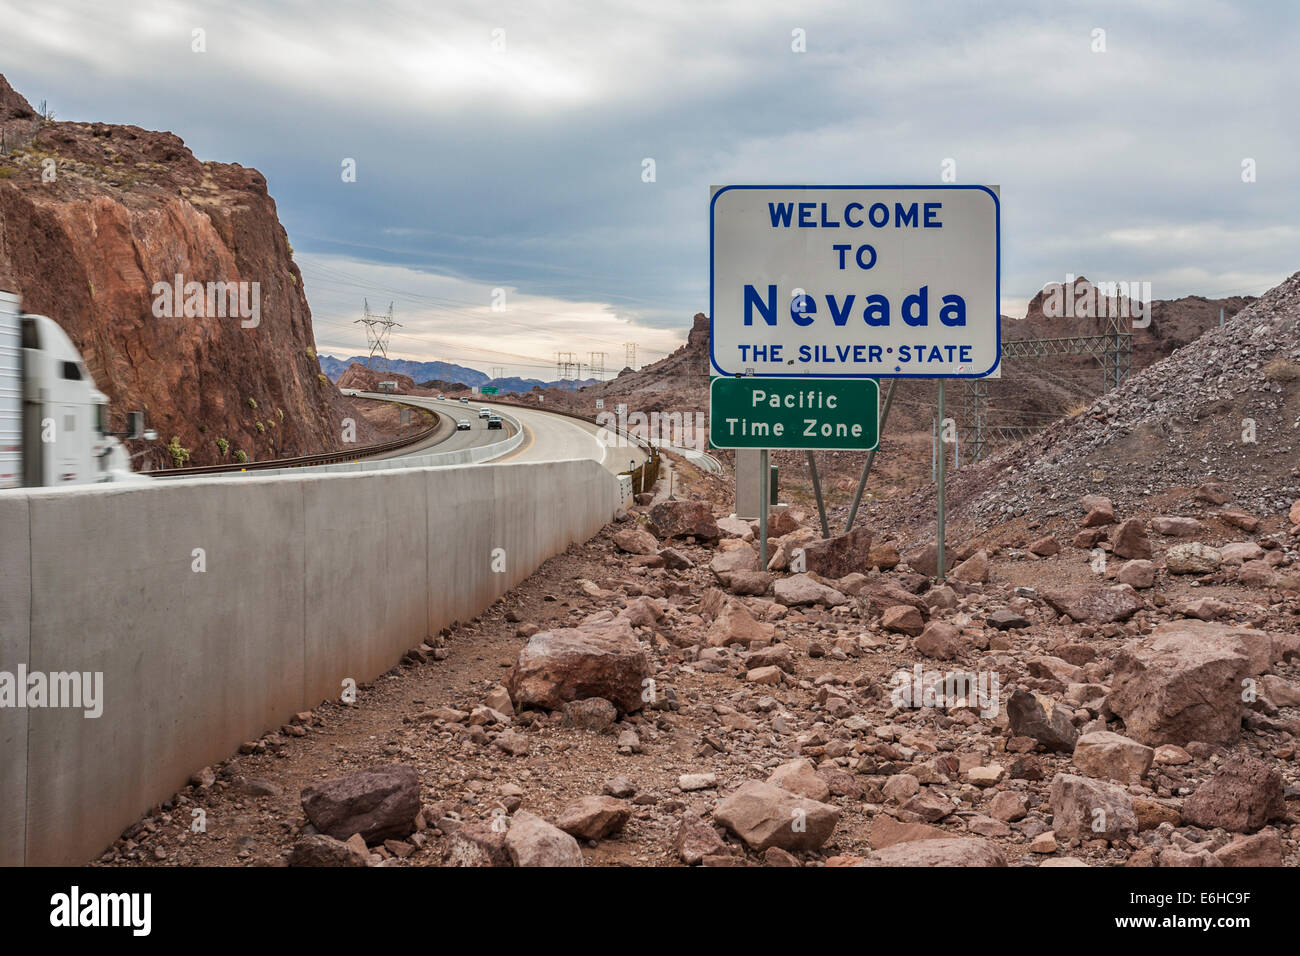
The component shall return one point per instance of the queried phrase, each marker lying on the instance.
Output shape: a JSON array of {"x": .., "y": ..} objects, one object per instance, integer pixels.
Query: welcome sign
[{"x": 855, "y": 281}]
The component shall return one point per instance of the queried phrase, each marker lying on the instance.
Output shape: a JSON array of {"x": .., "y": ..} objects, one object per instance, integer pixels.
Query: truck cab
[{"x": 53, "y": 421}]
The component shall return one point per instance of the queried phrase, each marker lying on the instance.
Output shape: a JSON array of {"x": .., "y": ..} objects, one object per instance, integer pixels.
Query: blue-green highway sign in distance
[{"x": 807, "y": 414}]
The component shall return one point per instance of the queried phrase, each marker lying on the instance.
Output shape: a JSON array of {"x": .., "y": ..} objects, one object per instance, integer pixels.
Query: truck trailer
[{"x": 53, "y": 421}]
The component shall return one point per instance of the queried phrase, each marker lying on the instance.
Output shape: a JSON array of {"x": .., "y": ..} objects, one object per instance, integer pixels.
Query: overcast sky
[{"x": 481, "y": 168}]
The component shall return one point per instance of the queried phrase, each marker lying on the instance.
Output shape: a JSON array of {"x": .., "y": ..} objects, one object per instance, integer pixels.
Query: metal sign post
[
  {"x": 762, "y": 510},
  {"x": 942, "y": 466}
]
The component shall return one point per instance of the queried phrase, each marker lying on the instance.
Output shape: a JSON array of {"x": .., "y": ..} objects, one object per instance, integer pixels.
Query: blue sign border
[{"x": 997, "y": 290}]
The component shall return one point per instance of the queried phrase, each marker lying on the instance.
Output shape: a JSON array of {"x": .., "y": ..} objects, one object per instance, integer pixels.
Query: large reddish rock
[
  {"x": 727, "y": 563},
  {"x": 1094, "y": 604},
  {"x": 1242, "y": 796},
  {"x": 1131, "y": 540},
  {"x": 843, "y": 554},
  {"x": 636, "y": 541},
  {"x": 735, "y": 625},
  {"x": 380, "y": 803},
  {"x": 599, "y": 659},
  {"x": 1087, "y": 809},
  {"x": 1110, "y": 756},
  {"x": 1035, "y": 715},
  {"x": 131, "y": 208},
  {"x": 684, "y": 519},
  {"x": 533, "y": 842},
  {"x": 594, "y": 817},
  {"x": 317, "y": 849},
  {"x": 1259, "y": 849},
  {"x": 1101, "y": 511},
  {"x": 764, "y": 815},
  {"x": 478, "y": 844},
  {"x": 1181, "y": 685},
  {"x": 945, "y": 851},
  {"x": 925, "y": 560},
  {"x": 800, "y": 589}
]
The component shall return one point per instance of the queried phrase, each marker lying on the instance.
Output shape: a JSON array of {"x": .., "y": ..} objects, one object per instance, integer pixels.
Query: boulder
[
  {"x": 684, "y": 519},
  {"x": 1037, "y": 716},
  {"x": 1139, "y": 573},
  {"x": 593, "y": 817},
  {"x": 879, "y": 597},
  {"x": 753, "y": 583},
  {"x": 884, "y": 556},
  {"x": 317, "y": 849},
  {"x": 477, "y": 844},
  {"x": 734, "y": 527},
  {"x": 1085, "y": 809},
  {"x": 695, "y": 840},
  {"x": 674, "y": 560},
  {"x": 940, "y": 641},
  {"x": 843, "y": 554},
  {"x": 1193, "y": 558},
  {"x": 779, "y": 523},
  {"x": 1101, "y": 511},
  {"x": 1045, "y": 546},
  {"x": 1258, "y": 849},
  {"x": 594, "y": 714},
  {"x": 1243, "y": 795},
  {"x": 974, "y": 570},
  {"x": 1094, "y": 604},
  {"x": 379, "y": 803},
  {"x": 531, "y": 841},
  {"x": 800, "y": 589},
  {"x": 1176, "y": 527},
  {"x": 735, "y": 625},
  {"x": 943, "y": 851},
  {"x": 597, "y": 659},
  {"x": 926, "y": 560},
  {"x": 724, "y": 563},
  {"x": 789, "y": 551},
  {"x": 1239, "y": 552},
  {"x": 800, "y": 776},
  {"x": 763, "y": 815},
  {"x": 1110, "y": 756},
  {"x": 903, "y": 619},
  {"x": 1131, "y": 540},
  {"x": 1181, "y": 685},
  {"x": 1004, "y": 619},
  {"x": 636, "y": 541}
]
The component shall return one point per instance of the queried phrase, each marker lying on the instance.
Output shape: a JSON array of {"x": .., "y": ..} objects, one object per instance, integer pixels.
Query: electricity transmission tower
[
  {"x": 597, "y": 365},
  {"x": 565, "y": 364},
  {"x": 498, "y": 371},
  {"x": 378, "y": 328},
  {"x": 629, "y": 355}
]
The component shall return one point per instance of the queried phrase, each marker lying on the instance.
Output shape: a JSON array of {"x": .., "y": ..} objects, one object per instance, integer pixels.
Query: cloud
[{"x": 521, "y": 167}]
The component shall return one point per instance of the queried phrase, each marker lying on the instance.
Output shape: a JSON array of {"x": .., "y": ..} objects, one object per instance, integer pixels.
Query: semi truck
[{"x": 53, "y": 421}]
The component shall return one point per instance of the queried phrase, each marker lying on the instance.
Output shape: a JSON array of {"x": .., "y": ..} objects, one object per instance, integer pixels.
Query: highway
[{"x": 547, "y": 436}]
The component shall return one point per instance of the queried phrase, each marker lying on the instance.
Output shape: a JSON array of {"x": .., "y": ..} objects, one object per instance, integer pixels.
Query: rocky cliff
[{"x": 97, "y": 223}]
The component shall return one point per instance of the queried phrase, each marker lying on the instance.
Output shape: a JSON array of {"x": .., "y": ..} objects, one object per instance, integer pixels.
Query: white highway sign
[{"x": 855, "y": 281}]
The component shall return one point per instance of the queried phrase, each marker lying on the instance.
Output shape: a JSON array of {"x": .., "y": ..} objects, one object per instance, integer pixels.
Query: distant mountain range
[{"x": 421, "y": 372}]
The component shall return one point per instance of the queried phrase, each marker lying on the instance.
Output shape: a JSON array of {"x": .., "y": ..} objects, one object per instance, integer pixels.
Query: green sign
[
  {"x": 794, "y": 413},
  {"x": 489, "y": 389}
]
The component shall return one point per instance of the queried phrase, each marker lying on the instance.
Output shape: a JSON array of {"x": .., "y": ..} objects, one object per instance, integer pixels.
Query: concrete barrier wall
[{"x": 310, "y": 579}]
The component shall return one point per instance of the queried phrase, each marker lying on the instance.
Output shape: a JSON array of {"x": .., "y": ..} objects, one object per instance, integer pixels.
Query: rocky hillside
[
  {"x": 1225, "y": 408},
  {"x": 93, "y": 216}
]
